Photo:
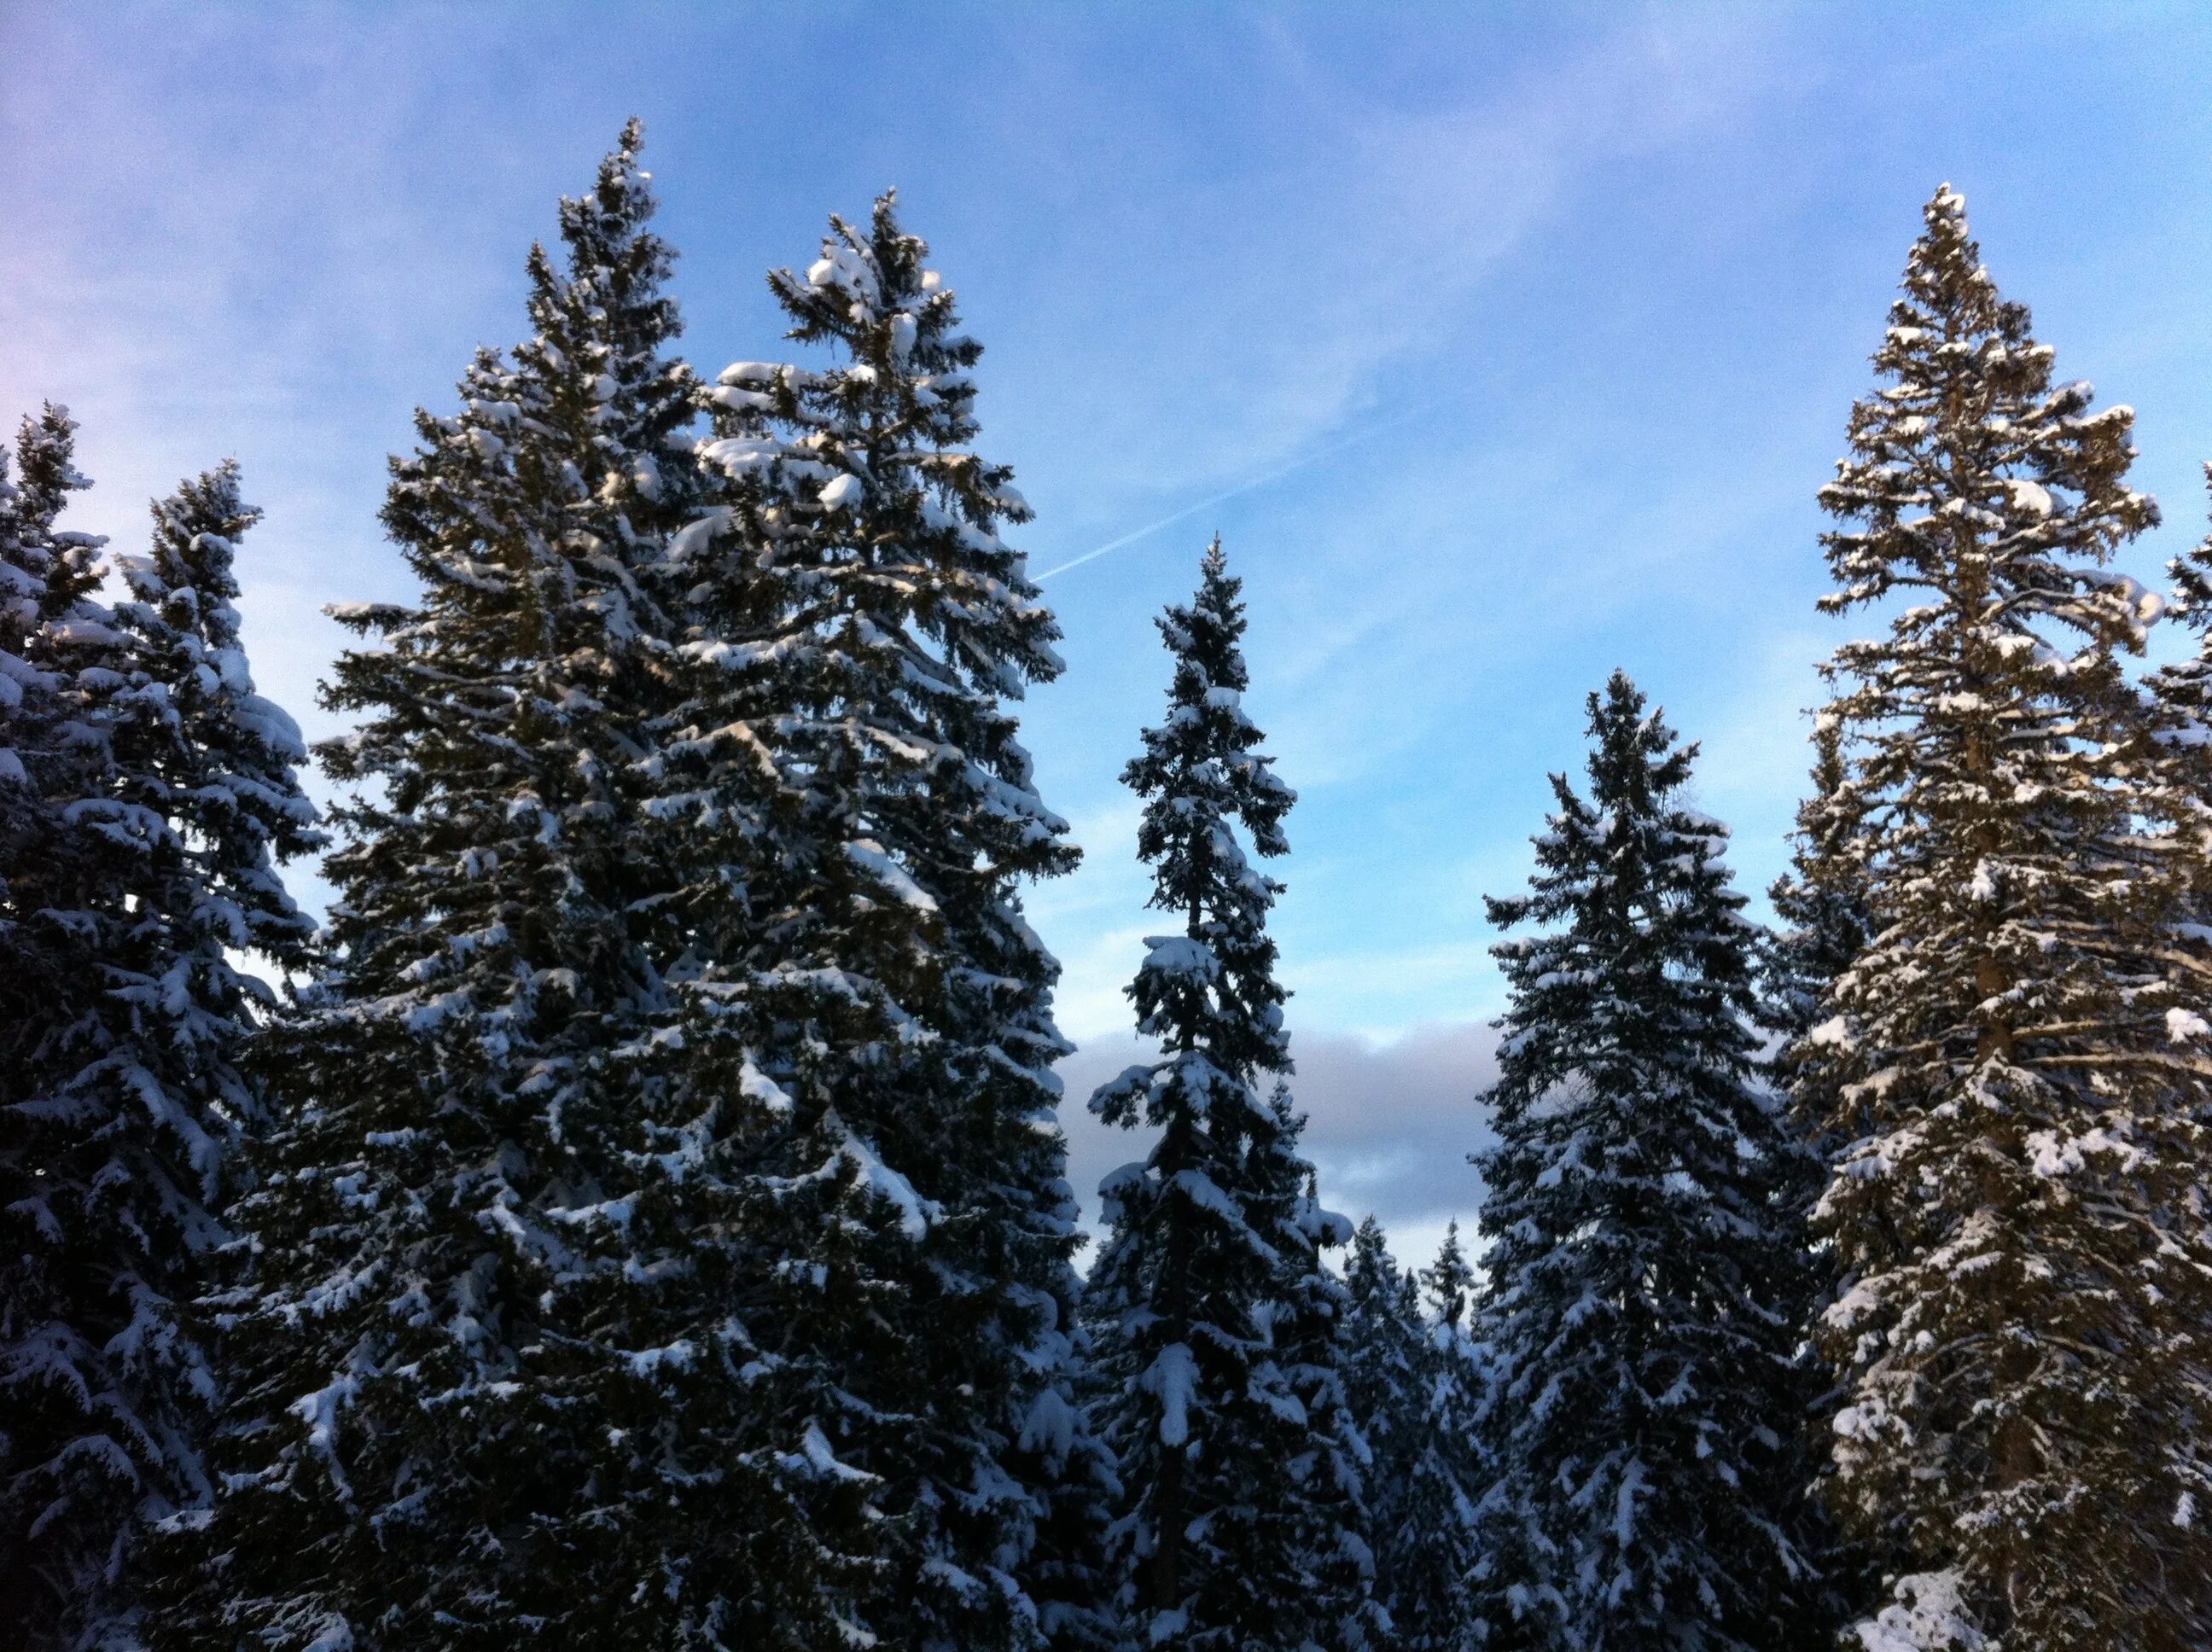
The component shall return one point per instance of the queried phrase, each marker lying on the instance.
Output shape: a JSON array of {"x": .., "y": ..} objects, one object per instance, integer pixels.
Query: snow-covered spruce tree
[
  {"x": 2182, "y": 703},
  {"x": 1241, "y": 1520},
  {"x": 869, "y": 1031},
  {"x": 1406, "y": 1377},
  {"x": 2018, "y": 1213},
  {"x": 435, "y": 1437},
  {"x": 1646, "y": 1478},
  {"x": 50, "y": 743},
  {"x": 1430, "y": 1554},
  {"x": 72, "y": 1459},
  {"x": 166, "y": 804},
  {"x": 1822, "y": 911},
  {"x": 1382, "y": 1383}
]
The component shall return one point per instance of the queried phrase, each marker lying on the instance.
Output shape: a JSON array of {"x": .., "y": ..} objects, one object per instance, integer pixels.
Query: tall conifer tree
[
  {"x": 1243, "y": 1520},
  {"x": 2019, "y": 1209},
  {"x": 869, "y": 1022},
  {"x": 429, "y": 1441},
  {"x": 1638, "y": 1307},
  {"x": 164, "y": 800}
]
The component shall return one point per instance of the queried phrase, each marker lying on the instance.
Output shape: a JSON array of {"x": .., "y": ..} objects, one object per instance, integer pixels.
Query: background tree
[
  {"x": 2018, "y": 1211},
  {"x": 1641, "y": 1281},
  {"x": 1407, "y": 1374},
  {"x": 1382, "y": 1384},
  {"x": 1823, "y": 915},
  {"x": 1431, "y": 1553}
]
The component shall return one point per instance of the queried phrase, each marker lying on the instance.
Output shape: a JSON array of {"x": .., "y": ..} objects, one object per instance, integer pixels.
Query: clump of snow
[
  {"x": 1927, "y": 1616},
  {"x": 916, "y": 1212},
  {"x": 1172, "y": 1378},
  {"x": 869, "y": 853}
]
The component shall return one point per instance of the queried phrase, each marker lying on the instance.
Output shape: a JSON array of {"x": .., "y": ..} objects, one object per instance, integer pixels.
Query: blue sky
[{"x": 1502, "y": 343}]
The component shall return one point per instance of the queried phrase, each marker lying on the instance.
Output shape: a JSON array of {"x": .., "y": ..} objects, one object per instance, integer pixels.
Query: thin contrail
[{"x": 1261, "y": 481}]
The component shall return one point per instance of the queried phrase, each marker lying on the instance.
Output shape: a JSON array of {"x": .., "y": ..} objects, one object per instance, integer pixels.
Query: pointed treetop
[
  {"x": 1449, "y": 1279},
  {"x": 1973, "y": 456},
  {"x": 1634, "y": 759},
  {"x": 873, "y": 291},
  {"x": 45, "y": 475},
  {"x": 196, "y": 533},
  {"x": 1944, "y": 276},
  {"x": 615, "y": 263}
]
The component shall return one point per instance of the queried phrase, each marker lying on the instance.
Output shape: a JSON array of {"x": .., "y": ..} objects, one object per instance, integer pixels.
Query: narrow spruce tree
[
  {"x": 1241, "y": 1519},
  {"x": 166, "y": 805},
  {"x": 441, "y": 1430},
  {"x": 868, "y": 1027},
  {"x": 1645, "y": 1478},
  {"x": 2181, "y": 705},
  {"x": 51, "y": 745},
  {"x": 2014, "y": 1060},
  {"x": 2186, "y": 686}
]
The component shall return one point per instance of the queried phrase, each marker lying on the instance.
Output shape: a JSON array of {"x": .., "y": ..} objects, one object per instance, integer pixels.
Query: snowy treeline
[{"x": 638, "y": 1218}]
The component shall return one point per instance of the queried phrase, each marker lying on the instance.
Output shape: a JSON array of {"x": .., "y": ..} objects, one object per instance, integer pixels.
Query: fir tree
[
  {"x": 868, "y": 1032},
  {"x": 1241, "y": 1520},
  {"x": 1640, "y": 1285},
  {"x": 165, "y": 799},
  {"x": 2017, "y": 1213},
  {"x": 442, "y": 1433}
]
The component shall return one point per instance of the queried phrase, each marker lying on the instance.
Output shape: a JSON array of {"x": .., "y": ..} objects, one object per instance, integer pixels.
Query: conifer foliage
[
  {"x": 1823, "y": 911},
  {"x": 1410, "y": 1378},
  {"x": 1431, "y": 1552},
  {"x": 158, "y": 795},
  {"x": 2015, "y": 1066},
  {"x": 642, "y": 1220},
  {"x": 1641, "y": 1291},
  {"x": 1219, "y": 1333}
]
